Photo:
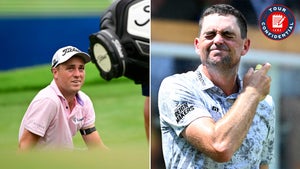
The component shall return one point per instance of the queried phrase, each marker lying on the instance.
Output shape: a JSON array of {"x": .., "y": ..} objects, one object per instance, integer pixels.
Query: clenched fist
[{"x": 258, "y": 81}]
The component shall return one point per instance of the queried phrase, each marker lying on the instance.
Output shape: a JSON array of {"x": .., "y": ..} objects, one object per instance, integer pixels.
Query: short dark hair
[{"x": 225, "y": 9}]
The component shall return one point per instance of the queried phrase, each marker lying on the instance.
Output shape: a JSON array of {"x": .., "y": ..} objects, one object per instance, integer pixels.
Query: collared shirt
[
  {"x": 186, "y": 97},
  {"x": 49, "y": 116}
]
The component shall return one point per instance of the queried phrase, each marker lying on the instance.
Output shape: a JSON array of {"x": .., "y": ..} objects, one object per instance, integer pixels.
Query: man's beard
[{"x": 226, "y": 63}]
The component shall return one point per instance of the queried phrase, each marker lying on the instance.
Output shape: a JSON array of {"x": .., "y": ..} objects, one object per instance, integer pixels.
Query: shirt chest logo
[
  {"x": 77, "y": 120},
  {"x": 214, "y": 108}
]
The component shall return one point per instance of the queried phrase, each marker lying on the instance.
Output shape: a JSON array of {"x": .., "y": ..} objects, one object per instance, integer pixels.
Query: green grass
[
  {"x": 119, "y": 120},
  {"x": 52, "y": 7}
]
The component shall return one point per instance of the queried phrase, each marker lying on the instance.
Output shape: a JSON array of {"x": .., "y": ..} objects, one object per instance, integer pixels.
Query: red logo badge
[{"x": 277, "y": 22}]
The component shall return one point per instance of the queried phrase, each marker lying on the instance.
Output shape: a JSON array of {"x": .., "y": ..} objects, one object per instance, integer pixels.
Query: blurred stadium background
[
  {"x": 172, "y": 51},
  {"x": 31, "y": 31}
]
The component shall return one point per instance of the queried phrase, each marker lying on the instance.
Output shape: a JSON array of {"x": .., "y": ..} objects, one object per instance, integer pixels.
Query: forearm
[
  {"x": 28, "y": 140},
  {"x": 231, "y": 130},
  {"x": 264, "y": 167},
  {"x": 219, "y": 140},
  {"x": 94, "y": 140},
  {"x": 25, "y": 145}
]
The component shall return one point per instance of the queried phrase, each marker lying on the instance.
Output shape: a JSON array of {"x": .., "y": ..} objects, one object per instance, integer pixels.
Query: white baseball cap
[{"x": 65, "y": 53}]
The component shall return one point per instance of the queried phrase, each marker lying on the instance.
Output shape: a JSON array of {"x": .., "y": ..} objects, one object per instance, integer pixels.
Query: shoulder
[
  {"x": 266, "y": 108},
  {"x": 179, "y": 80},
  {"x": 45, "y": 102},
  {"x": 181, "y": 89},
  {"x": 267, "y": 103},
  {"x": 47, "y": 94}
]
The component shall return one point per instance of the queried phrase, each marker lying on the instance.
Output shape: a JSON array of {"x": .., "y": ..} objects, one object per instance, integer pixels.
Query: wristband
[{"x": 87, "y": 131}]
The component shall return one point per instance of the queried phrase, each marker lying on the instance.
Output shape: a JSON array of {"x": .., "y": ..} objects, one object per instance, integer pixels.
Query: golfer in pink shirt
[{"x": 59, "y": 110}]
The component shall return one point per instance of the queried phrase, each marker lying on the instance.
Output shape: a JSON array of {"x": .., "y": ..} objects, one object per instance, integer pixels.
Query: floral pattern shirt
[{"x": 185, "y": 97}]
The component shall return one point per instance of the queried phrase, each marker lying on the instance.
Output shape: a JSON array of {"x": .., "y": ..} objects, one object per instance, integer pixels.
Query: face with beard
[{"x": 220, "y": 44}]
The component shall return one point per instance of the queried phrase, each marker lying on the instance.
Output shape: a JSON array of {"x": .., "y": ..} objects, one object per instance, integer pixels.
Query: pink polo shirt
[{"x": 49, "y": 116}]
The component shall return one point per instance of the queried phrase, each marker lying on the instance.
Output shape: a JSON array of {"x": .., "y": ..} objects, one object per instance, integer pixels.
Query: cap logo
[{"x": 70, "y": 49}]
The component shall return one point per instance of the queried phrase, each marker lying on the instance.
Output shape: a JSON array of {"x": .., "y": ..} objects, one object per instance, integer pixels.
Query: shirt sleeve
[
  {"x": 89, "y": 113},
  {"x": 268, "y": 148},
  {"x": 178, "y": 104},
  {"x": 39, "y": 116}
]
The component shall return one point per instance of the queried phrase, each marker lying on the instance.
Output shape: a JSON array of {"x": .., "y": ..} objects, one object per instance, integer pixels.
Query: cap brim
[{"x": 84, "y": 56}]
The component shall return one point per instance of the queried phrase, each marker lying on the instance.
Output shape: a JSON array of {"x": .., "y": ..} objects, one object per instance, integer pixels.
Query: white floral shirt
[{"x": 188, "y": 96}]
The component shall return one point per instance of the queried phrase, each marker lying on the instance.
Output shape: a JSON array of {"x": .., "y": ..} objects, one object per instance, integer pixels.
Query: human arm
[
  {"x": 219, "y": 140},
  {"x": 93, "y": 139},
  {"x": 264, "y": 167},
  {"x": 28, "y": 140},
  {"x": 146, "y": 116},
  {"x": 35, "y": 122}
]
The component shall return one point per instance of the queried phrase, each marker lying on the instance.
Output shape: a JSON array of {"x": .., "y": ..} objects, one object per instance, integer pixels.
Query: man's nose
[
  {"x": 76, "y": 72},
  {"x": 218, "y": 39}
]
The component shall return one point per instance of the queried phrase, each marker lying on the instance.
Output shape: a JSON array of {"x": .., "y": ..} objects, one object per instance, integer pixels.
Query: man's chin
[
  {"x": 76, "y": 88},
  {"x": 217, "y": 60}
]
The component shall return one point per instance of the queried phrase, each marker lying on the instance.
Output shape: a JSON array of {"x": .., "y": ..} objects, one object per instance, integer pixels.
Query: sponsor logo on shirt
[
  {"x": 78, "y": 120},
  {"x": 182, "y": 110},
  {"x": 214, "y": 108},
  {"x": 39, "y": 126}
]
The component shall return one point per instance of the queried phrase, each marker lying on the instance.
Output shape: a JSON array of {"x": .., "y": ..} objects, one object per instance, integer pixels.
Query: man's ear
[
  {"x": 54, "y": 71},
  {"x": 196, "y": 45},
  {"x": 246, "y": 47}
]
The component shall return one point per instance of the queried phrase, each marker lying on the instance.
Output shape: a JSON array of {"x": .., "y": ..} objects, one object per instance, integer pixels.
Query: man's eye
[
  {"x": 228, "y": 35},
  {"x": 70, "y": 68},
  {"x": 209, "y": 36}
]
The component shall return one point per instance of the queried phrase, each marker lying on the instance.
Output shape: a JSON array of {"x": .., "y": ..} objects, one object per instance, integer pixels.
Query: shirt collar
[
  {"x": 205, "y": 82},
  {"x": 208, "y": 84}
]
